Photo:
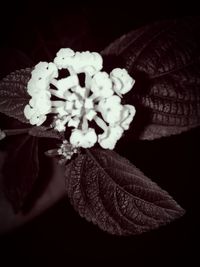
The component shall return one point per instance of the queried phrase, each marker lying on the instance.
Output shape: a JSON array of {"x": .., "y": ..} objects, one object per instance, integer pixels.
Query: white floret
[
  {"x": 110, "y": 137},
  {"x": 101, "y": 85},
  {"x": 79, "y": 61},
  {"x": 85, "y": 139},
  {"x": 110, "y": 109},
  {"x": 63, "y": 56},
  {"x": 123, "y": 82},
  {"x": 128, "y": 113}
]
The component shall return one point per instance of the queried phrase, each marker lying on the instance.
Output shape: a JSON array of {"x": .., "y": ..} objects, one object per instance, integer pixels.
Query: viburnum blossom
[{"x": 75, "y": 106}]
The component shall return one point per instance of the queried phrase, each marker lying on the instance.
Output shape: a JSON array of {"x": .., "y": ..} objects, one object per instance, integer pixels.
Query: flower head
[{"x": 75, "y": 106}]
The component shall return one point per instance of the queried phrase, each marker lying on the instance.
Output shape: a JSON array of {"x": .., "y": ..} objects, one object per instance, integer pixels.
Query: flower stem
[
  {"x": 10, "y": 132},
  {"x": 56, "y": 93},
  {"x": 85, "y": 124},
  {"x": 101, "y": 123},
  {"x": 57, "y": 103},
  {"x": 87, "y": 83},
  {"x": 71, "y": 71}
]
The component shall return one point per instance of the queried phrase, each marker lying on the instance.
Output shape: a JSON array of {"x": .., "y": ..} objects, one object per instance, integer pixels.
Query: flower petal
[
  {"x": 123, "y": 82},
  {"x": 83, "y": 139},
  {"x": 110, "y": 109},
  {"x": 128, "y": 113},
  {"x": 101, "y": 85},
  {"x": 63, "y": 56},
  {"x": 110, "y": 137}
]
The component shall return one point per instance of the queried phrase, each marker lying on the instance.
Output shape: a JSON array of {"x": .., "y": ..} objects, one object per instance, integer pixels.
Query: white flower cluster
[
  {"x": 76, "y": 106},
  {"x": 39, "y": 90}
]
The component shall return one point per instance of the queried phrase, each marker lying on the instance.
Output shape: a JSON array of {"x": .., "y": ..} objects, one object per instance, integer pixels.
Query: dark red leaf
[
  {"x": 108, "y": 190},
  {"x": 164, "y": 59},
  {"x": 13, "y": 94}
]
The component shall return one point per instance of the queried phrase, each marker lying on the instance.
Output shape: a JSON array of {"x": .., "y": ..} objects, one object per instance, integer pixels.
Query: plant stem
[{"x": 10, "y": 132}]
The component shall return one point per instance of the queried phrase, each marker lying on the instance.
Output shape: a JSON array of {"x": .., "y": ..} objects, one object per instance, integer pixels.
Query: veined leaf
[
  {"x": 108, "y": 190},
  {"x": 13, "y": 94},
  {"x": 164, "y": 59}
]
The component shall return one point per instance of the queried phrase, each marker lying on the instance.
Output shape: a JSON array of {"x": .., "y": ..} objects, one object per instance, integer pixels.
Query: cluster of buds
[{"x": 66, "y": 151}]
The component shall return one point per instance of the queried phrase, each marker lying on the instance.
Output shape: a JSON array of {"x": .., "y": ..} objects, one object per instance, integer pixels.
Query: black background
[{"x": 31, "y": 32}]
